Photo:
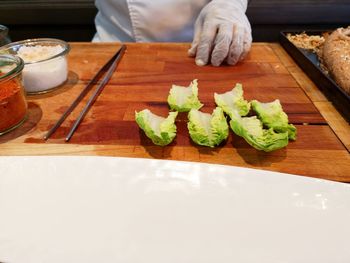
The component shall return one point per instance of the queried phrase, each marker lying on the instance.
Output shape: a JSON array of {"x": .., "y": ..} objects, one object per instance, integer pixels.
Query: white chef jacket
[{"x": 146, "y": 20}]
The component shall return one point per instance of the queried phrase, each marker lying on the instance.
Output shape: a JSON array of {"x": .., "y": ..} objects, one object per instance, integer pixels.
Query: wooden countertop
[{"x": 143, "y": 80}]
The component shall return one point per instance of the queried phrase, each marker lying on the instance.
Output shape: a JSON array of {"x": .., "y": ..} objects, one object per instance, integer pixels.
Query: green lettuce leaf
[
  {"x": 183, "y": 99},
  {"x": 272, "y": 116},
  {"x": 207, "y": 129},
  {"x": 233, "y": 101},
  {"x": 160, "y": 130},
  {"x": 251, "y": 129}
]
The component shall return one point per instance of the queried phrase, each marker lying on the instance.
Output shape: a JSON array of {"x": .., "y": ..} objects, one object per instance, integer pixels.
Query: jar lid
[{"x": 10, "y": 66}]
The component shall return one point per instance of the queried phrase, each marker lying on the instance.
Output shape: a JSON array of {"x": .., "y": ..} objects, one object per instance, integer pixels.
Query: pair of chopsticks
[{"x": 110, "y": 67}]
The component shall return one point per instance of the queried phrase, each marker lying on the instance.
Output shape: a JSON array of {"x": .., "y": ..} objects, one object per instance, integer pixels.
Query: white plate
[{"x": 104, "y": 209}]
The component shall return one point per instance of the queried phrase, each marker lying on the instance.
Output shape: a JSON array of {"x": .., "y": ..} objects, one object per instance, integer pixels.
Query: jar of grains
[
  {"x": 13, "y": 105},
  {"x": 45, "y": 62}
]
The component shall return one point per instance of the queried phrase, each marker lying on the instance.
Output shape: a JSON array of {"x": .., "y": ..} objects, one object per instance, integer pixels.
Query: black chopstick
[{"x": 113, "y": 62}]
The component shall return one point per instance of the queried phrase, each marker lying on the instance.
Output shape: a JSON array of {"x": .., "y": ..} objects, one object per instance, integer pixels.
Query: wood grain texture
[
  {"x": 143, "y": 80},
  {"x": 337, "y": 123}
]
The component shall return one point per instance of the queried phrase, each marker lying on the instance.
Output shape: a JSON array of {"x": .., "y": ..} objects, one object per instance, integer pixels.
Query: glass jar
[
  {"x": 4, "y": 38},
  {"x": 13, "y": 105},
  {"x": 45, "y": 63}
]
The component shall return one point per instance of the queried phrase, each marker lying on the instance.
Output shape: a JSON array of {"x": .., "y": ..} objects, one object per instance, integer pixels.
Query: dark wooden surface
[{"x": 143, "y": 80}]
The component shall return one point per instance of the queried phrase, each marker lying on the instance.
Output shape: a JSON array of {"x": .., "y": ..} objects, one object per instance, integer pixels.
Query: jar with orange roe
[{"x": 13, "y": 105}]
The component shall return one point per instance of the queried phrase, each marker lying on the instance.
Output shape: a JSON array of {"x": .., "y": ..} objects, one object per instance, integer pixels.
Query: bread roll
[{"x": 336, "y": 57}]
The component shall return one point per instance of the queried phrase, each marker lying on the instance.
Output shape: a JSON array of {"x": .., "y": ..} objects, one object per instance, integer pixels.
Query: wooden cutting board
[{"x": 143, "y": 79}]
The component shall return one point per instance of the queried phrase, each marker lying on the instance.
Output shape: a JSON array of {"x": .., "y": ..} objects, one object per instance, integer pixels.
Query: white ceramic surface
[{"x": 105, "y": 209}]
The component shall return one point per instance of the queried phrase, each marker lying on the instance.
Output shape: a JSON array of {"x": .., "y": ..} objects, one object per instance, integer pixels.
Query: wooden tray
[{"x": 310, "y": 63}]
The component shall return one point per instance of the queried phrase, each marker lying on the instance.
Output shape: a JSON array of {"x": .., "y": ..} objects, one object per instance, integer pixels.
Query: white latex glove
[{"x": 222, "y": 32}]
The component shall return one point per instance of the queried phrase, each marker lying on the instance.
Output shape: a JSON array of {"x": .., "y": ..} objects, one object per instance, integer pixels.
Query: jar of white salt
[{"x": 45, "y": 62}]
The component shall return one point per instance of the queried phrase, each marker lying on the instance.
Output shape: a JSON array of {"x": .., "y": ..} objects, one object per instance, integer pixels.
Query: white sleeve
[{"x": 113, "y": 22}]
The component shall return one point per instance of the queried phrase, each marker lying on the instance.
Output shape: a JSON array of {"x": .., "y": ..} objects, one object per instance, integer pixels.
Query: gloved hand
[{"x": 222, "y": 32}]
